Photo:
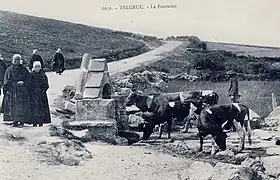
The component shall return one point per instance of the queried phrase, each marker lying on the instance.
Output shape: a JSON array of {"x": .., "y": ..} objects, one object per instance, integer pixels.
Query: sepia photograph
[{"x": 139, "y": 90}]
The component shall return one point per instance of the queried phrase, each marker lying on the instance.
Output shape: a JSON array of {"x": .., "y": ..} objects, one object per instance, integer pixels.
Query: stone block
[
  {"x": 98, "y": 65},
  {"x": 85, "y": 61},
  {"x": 80, "y": 85},
  {"x": 95, "y": 130},
  {"x": 95, "y": 110},
  {"x": 94, "y": 79},
  {"x": 91, "y": 93}
]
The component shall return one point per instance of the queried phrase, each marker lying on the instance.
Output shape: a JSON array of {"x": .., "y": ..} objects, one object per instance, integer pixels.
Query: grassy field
[
  {"x": 211, "y": 66},
  {"x": 22, "y": 33},
  {"x": 255, "y": 94}
]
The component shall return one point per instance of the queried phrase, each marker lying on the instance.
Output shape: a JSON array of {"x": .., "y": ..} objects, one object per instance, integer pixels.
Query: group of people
[
  {"x": 58, "y": 61},
  {"x": 25, "y": 98}
]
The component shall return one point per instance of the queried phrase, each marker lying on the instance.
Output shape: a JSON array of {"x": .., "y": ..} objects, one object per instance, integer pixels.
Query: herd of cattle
[{"x": 211, "y": 118}]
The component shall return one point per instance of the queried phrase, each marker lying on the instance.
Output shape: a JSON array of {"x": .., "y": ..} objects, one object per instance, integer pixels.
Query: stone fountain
[{"x": 95, "y": 109}]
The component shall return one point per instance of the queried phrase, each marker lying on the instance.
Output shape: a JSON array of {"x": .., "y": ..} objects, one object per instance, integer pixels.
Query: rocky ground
[{"x": 35, "y": 153}]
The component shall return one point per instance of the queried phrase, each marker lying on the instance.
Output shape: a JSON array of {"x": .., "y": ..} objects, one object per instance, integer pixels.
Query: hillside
[
  {"x": 22, "y": 33},
  {"x": 238, "y": 49}
]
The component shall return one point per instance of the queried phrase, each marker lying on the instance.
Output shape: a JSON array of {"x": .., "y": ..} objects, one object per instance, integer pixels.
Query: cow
[
  {"x": 191, "y": 104},
  {"x": 218, "y": 120},
  {"x": 158, "y": 108}
]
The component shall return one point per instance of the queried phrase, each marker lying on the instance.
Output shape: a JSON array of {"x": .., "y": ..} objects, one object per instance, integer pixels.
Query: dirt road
[
  {"x": 69, "y": 77},
  {"x": 19, "y": 160}
]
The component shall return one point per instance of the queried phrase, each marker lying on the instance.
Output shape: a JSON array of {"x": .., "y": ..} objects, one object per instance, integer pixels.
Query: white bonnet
[
  {"x": 16, "y": 56},
  {"x": 36, "y": 63}
]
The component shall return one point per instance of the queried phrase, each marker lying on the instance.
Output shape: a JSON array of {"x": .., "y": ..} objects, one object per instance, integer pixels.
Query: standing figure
[
  {"x": 35, "y": 57},
  {"x": 58, "y": 62},
  {"x": 3, "y": 68},
  {"x": 37, "y": 88},
  {"x": 16, "y": 99},
  {"x": 233, "y": 88}
]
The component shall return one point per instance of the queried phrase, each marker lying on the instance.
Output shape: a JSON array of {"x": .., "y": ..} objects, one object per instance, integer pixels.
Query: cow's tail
[{"x": 248, "y": 128}]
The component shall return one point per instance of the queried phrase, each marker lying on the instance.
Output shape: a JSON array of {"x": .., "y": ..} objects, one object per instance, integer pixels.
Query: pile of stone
[
  {"x": 67, "y": 152},
  {"x": 273, "y": 119},
  {"x": 249, "y": 169},
  {"x": 68, "y": 92},
  {"x": 150, "y": 79}
]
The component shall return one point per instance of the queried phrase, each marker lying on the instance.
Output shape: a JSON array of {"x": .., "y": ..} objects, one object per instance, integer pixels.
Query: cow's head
[
  {"x": 131, "y": 98},
  {"x": 220, "y": 139},
  {"x": 137, "y": 98}
]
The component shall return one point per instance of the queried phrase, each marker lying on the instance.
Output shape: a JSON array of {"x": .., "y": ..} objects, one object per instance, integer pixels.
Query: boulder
[
  {"x": 86, "y": 131},
  {"x": 273, "y": 119},
  {"x": 273, "y": 151},
  {"x": 258, "y": 166},
  {"x": 194, "y": 172},
  {"x": 241, "y": 156},
  {"x": 67, "y": 152},
  {"x": 263, "y": 135},
  {"x": 232, "y": 172},
  {"x": 121, "y": 141},
  {"x": 69, "y": 92},
  {"x": 272, "y": 165}
]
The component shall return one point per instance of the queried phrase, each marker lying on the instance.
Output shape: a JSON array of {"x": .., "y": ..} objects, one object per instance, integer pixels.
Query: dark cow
[
  {"x": 189, "y": 104},
  {"x": 160, "y": 111},
  {"x": 218, "y": 120}
]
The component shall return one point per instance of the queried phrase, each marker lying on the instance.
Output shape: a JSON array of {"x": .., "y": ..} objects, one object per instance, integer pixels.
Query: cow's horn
[
  {"x": 223, "y": 125},
  {"x": 226, "y": 131}
]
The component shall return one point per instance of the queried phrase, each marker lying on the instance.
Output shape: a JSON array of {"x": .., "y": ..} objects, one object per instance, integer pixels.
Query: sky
[{"x": 255, "y": 22}]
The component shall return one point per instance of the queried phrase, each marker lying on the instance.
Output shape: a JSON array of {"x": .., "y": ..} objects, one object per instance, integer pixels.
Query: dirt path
[
  {"x": 19, "y": 160},
  {"x": 69, "y": 77}
]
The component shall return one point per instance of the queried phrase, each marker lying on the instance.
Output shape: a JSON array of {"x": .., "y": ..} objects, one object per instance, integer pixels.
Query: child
[{"x": 37, "y": 88}]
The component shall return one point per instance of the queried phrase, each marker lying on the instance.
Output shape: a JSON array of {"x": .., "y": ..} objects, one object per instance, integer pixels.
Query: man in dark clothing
[
  {"x": 233, "y": 88},
  {"x": 35, "y": 57},
  {"x": 58, "y": 62},
  {"x": 3, "y": 68}
]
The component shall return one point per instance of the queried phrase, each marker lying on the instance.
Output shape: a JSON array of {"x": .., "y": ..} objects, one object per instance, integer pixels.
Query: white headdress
[
  {"x": 16, "y": 56},
  {"x": 36, "y": 63},
  {"x": 58, "y": 50}
]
